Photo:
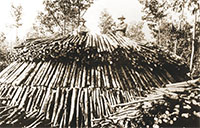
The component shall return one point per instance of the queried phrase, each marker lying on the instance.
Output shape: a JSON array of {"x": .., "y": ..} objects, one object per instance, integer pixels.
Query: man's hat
[{"x": 122, "y": 18}]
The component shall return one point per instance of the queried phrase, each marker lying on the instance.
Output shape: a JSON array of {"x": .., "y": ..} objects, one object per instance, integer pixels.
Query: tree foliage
[
  {"x": 106, "y": 22},
  {"x": 3, "y": 62},
  {"x": 16, "y": 12},
  {"x": 154, "y": 12},
  {"x": 17, "y": 15},
  {"x": 180, "y": 37},
  {"x": 62, "y": 16},
  {"x": 135, "y": 32}
]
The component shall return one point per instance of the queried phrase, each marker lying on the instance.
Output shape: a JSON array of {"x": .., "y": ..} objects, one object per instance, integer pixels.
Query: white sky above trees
[{"x": 131, "y": 9}]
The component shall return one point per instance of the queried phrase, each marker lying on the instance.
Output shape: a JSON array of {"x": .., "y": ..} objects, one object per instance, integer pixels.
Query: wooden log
[
  {"x": 134, "y": 80},
  {"x": 16, "y": 117},
  {"x": 8, "y": 75},
  {"x": 78, "y": 77},
  {"x": 82, "y": 108},
  {"x": 60, "y": 77},
  {"x": 6, "y": 110},
  {"x": 16, "y": 96},
  {"x": 67, "y": 76},
  {"x": 24, "y": 75},
  {"x": 73, "y": 77},
  {"x": 144, "y": 83},
  {"x": 40, "y": 96},
  {"x": 139, "y": 87},
  {"x": 88, "y": 78},
  {"x": 60, "y": 107},
  {"x": 117, "y": 78},
  {"x": 41, "y": 71},
  {"x": 48, "y": 93},
  {"x": 32, "y": 75},
  {"x": 66, "y": 42},
  {"x": 113, "y": 97},
  {"x": 33, "y": 91},
  {"x": 103, "y": 48},
  {"x": 110, "y": 97},
  {"x": 99, "y": 110},
  {"x": 63, "y": 82},
  {"x": 127, "y": 78},
  {"x": 92, "y": 75},
  {"x": 17, "y": 73},
  {"x": 50, "y": 104},
  {"x": 56, "y": 105},
  {"x": 34, "y": 99},
  {"x": 32, "y": 114},
  {"x": 97, "y": 45},
  {"x": 57, "y": 75},
  {"x": 151, "y": 77},
  {"x": 86, "y": 123},
  {"x": 110, "y": 39},
  {"x": 106, "y": 104},
  {"x": 107, "y": 96},
  {"x": 102, "y": 104},
  {"x": 24, "y": 97},
  {"x": 20, "y": 95},
  {"x": 83, "y": 81},
  {"x": 9, "y": 117},
  {"x": 8, "y": 69},
  {"x": 111, "y": 77},
  {"x": 49, "y": 77},
  {"x": 81, "y": 77},
  {"x": 61, "y": 125},
  {"x": 91, "y": 107},
  {"x": 100, "y": 44},
  {"x": 183, "y": 84},
  {"x": 73, "y": 105},
  {"x": 5, "y": 91},
  {"x": 104, "y": 78},
  {"x": 2, "y": 88},
  {"x": 43, "y": 96},
  {"x": 122, "y": 78},
  {"x": 78, "y": 107},
  {"x": 109, "y": 44},
  {"x": 106, "y": 73},
  {"x": 98, "y": 75},
  {"x": 8, "y": 94},
  {"x": 94, "y": 102},
  {"x": 35, "y": 123}
]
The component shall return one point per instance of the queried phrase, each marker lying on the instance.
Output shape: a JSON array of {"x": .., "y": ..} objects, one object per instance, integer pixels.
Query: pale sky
[{"x": 131, "y": 9}]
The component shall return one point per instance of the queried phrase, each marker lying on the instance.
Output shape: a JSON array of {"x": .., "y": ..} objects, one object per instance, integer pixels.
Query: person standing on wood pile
[
  {"x": 120, "y": 29},
  {"x": 82, "y": 29}
]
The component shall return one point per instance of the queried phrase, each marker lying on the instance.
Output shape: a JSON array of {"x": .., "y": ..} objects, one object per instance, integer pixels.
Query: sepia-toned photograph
[{"x": 99, "y": 63}]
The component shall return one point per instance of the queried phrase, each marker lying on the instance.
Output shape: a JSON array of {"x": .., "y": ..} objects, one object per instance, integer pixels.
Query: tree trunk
[
  {"x": 64, "y": 25},
  {"x": 175, "y": 46},
  {"x": 193, "y": 42},
  {"x": 159, "y": 31}
]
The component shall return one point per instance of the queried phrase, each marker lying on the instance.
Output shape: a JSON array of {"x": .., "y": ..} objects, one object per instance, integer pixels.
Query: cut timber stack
[
  {"x": 175, "y": 105},
  {"x": 74, "y": 80}
]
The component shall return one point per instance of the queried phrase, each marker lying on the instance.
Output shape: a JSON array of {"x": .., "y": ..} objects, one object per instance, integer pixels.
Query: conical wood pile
[{"x": 76, "y": 79}]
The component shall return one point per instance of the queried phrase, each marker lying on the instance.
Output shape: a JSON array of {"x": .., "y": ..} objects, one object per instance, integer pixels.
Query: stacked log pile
[
  {"x": 175, "y": 105},
  {"x": 75, "y": 79},
  {"x": 15, "y": 116}
]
